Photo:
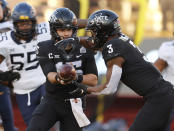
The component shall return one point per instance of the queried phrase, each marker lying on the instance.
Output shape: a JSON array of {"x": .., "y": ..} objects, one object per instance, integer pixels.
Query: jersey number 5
[{"x": 19, "y": 65}]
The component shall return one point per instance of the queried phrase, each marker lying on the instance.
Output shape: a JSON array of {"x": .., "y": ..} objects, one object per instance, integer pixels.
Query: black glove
[
  {"x": 80, "y": 91},
  {"x": 9, "y": 76}
]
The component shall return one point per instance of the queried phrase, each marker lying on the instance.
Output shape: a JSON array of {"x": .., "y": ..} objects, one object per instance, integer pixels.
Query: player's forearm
[
  {"x": 96, "y": 89},
  {"x": 81, "y": 23},
  {"x": 160, "y": 64},
  {"x": 86, "y": 41},
  {"x": 1, "y": 58},
  {"x": 90, "y": 80},
  {"x": 1, "y": 12},
  {"x": 111, "y": 84},
  {"x": 51, "y": 77}
]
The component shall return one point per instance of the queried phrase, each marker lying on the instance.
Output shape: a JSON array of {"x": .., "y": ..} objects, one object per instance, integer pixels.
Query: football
[{"x": 67, "y": 72}]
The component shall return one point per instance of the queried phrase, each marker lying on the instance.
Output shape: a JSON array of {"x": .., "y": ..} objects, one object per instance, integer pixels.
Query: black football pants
[
  {"x": 155, "y": 114},
  {"x": 49, "y": 112}
]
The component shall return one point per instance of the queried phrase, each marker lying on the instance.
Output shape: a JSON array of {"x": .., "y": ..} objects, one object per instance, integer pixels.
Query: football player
[
  {"x": 6, "y": 112},
  {"x": 127, "y": 63},
  {"x": 165, "y": 65},
  {"x": 17, "y": 49},
  {"x": 5, "y": 21},
  {"x": 63, "y": 48}
]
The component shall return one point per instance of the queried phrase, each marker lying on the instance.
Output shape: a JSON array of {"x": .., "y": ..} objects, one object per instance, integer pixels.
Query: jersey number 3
[{"x": 110, "y": 48}]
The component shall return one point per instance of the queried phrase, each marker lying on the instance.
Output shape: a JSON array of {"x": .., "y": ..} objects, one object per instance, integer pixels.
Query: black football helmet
[
  {"x": 62, "y": 18},
  {"x": 6, "y": 10},
  {"x": 24, "y": 12},
  {"x": 102, "y": 24},
  {"x": 67, "y": 48}
]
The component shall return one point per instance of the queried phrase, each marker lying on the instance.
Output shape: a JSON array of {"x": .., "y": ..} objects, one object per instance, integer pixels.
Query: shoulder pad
[
  {"x": 43, "y": 48},
  {"x": 46, "y": 43}
]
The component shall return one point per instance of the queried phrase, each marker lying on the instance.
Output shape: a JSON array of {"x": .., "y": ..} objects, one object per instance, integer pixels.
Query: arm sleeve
[{"x": 111, "y": 87}]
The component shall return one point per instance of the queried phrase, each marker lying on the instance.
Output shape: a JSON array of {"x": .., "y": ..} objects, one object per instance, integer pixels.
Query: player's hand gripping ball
[{"x": 66, "y": 73}]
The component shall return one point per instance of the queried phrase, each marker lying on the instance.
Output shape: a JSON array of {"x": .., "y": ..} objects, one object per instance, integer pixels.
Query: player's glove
[
  {"x": 80, "y": 91},
  {"x": 9, "y": 76}
]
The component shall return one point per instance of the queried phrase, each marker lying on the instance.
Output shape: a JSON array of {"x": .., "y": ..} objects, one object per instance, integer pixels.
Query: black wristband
[
  {"x": 79, "y": 78},
  {"x": 56, "y": 78}
]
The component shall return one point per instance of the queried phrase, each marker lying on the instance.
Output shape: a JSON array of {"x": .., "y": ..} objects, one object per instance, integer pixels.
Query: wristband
[
  {"x": 79, "y": 78},
  {"x": 56, "y": 78}
]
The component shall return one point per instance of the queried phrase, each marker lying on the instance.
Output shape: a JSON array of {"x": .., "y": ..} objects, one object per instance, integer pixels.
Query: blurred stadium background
[{"x": 147, "y": 22}]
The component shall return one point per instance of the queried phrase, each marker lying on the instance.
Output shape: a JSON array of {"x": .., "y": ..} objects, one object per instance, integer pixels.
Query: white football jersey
[
  {"x": 166, "y": 52},
  {"x": 43, "y": 30},
  {"x": 5, "y": 25},
  {"x": 3, "y": 66},
  {"x": 21, "y": 57}
]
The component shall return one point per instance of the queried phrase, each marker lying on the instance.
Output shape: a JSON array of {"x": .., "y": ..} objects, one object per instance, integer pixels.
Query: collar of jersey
[{"x": 17, "y": 40}]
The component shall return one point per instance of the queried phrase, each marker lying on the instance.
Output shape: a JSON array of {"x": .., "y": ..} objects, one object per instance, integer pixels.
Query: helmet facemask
[
  {"x": 25, "y": 33},
  {"x": 97, "y": 38},
  {"x": 56, "y": 36},
  {"x": 23, "y": 12}
]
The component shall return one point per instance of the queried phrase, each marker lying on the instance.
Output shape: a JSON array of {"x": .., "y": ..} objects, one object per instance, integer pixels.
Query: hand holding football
[{"x": 66, "y": 73}]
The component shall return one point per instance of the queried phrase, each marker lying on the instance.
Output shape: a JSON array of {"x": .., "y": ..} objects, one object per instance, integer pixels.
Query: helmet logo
[
  {"x": 98, "y": 19},
  {"x": 53, "y": 18},
  {"x": 22, "y": 17}
]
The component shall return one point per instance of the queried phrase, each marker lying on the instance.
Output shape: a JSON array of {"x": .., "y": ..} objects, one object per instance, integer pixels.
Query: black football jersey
[
  {"x": 49, "y": 59},
  {"x": 137, "y": 73}
]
